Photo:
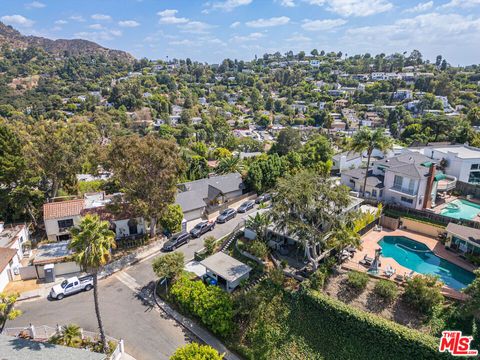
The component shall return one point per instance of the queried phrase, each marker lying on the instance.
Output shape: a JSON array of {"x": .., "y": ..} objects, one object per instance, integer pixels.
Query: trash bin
[{"x": 49, "y": 270}]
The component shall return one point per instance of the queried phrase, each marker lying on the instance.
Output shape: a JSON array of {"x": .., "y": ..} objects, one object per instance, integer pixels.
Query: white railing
[{"x": 45, "y": 332}]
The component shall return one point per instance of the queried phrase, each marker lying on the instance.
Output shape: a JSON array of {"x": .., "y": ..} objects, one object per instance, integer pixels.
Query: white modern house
[
  {"x": 346, "y": 160},
  {"x": 461, "y": 161},
  {"x": 225, "y": 270}
]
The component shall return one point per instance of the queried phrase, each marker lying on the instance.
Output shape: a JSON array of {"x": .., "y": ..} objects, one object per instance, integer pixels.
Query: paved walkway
[{"x": 197, "y": 330}]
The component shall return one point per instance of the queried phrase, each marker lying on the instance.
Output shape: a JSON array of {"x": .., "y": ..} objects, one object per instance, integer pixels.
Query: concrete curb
[{"x": 191, "y": 326}]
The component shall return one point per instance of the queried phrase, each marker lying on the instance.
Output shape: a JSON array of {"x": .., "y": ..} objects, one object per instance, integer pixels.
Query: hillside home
[
  {"x": 59, "y": 217},
  {"x": 346, "y": 160},
  {"x": 195, "y": 197},
  {"x": 13, "y": 239},
  {"x": 460, "y": 161}
]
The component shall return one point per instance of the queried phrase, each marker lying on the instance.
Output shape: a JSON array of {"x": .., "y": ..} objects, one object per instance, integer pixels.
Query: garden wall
[
  {"x": 389, "y": 222},
  {"x": 422, "y": 228}
]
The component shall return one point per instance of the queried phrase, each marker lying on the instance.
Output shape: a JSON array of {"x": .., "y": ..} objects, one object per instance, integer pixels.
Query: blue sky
[{"x": 211, "y": 30}]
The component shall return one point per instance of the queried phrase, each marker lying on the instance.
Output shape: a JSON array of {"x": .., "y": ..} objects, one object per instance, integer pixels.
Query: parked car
[
  {"x": 202, "y": 228},
  {"x": 247, "y": 205},
  {"x": 176, "y": 241},
  {"x": 227, "y": 214},
  {"x": 263, "y": 198},
  {"x": 71, "y": 286}
]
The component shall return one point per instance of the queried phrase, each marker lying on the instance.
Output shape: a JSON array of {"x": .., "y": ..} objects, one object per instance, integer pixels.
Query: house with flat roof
[
  {"x": 225, "y": 270},
  {"x": 461, "y": 161},
  {"x": 346, "y": 160},
  {"x": 195, "y": 197}
]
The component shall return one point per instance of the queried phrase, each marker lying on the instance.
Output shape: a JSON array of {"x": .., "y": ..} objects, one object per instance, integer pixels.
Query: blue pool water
[
  {"x": 461, "y": 209},
  {"x": 418, "y": 257}
]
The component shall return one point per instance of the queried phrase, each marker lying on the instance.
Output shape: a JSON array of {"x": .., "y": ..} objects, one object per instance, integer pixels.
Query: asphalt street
[{"x": 148, "y": 332}]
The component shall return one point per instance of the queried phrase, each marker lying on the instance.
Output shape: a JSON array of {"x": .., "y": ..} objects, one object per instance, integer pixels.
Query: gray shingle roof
[
  {"x": 464, "y": 232},
  {"x": 13, "y": 348},
  {"x": 409, "y": 164},
  {"x": 372, "y": 180},
  {"x": 191, "y": 194},
  {"x": 349, "y": 154}
]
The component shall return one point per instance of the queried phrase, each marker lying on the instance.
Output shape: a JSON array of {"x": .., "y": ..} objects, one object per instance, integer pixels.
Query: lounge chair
[
  {"x": 389, "y": 271},
  {"x": 378, "y": 228},
  {"x": 367, "y": 261},
  {"x": 410, "y": 275},
  {"x": 399, "y": 278}
]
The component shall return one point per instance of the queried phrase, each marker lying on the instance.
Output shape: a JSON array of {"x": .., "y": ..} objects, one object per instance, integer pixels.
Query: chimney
[
  {"x": 427, "y": 199},
  {"x": 1, "y": 226}
]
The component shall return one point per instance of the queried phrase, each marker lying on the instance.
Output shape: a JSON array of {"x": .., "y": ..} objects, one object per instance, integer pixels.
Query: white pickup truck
[{"x": 71, "y": 286}]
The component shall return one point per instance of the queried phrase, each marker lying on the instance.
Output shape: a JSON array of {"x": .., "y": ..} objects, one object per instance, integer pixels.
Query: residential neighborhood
[{"x": 281, "y": 179}]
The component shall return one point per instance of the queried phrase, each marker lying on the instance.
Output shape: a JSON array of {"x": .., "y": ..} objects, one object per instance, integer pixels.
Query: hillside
[{"x": 60, "y": 47}]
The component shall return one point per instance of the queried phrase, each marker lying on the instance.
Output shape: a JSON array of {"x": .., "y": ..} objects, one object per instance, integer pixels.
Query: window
[
  {"x": 411, "y": 185},
  {"x": 397, "y": 181},
  {"x": 62, "y": 224},
  {"x": 474, "y": 166},
  {"x": 474, "y": 177},
  {"x": 381, "y": 193},
  {"x": 374, "y": 193},
  {"x": 407, "y": 200}
]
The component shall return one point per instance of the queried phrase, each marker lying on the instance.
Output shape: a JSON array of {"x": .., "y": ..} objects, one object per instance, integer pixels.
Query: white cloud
[
  {"x": 322, "y": 25},
  {"x": 250, "y": 37},
  {"x": 169, "y": 17},
  {"x": 287, "y": 3},
  {"x": 462, "y": 4},
  {"x": 354, "y": 7},
  {"x": 274, "y": 21},
  {"x": 235, "y": 24},
  {"x": 98, "y": 36},
  {"x": 299, "y": 38},
  {"x": 420, "y": 7},
  {"x": 61, "y": 22},
  {"x": 128, "y": 23},
  {"x": 96, "y": 27},
  {"x": 450, "y": 34},
  {"x": 17, "y": 20},
  {"x": 183, "y": 42},
  {"x": 35, "y": 5},
  {"x": 101, "y": 17},
  {"x": 78, "y": 18},
  {"x": 196, "y": 27},
  {"x": 227, "y": 5}
]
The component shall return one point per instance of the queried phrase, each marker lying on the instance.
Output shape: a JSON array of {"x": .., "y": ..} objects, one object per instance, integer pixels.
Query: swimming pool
[
  {"x": 461, "y": 209},
  {"x": 419, "y": 258}
]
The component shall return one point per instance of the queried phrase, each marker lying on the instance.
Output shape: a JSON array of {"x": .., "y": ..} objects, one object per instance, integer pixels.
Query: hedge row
[{"x": 338, "y": 331}]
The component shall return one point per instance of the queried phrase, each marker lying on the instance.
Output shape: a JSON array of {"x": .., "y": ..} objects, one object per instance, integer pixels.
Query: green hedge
[{"x": 338, "y": 331}]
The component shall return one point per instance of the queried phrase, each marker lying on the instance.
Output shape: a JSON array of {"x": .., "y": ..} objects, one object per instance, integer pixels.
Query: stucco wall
[
  {"x": 51, "y": 226},
  {"x": 422, "y": 228}
]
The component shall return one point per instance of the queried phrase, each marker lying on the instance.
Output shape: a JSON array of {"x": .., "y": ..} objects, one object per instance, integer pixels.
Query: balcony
[
  {"x": 404, "y": 191},
  {"x": 447, "y": 183}
]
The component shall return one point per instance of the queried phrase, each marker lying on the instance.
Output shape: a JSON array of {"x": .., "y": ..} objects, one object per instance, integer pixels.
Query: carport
[{"x": 227, "y": 271}]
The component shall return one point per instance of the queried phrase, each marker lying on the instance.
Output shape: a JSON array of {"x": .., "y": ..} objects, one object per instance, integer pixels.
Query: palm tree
[
  {"x": 368, "y": 140},
  {"x": 92, "y": 242},
  {"x": 259, "y": 223},
  {"x": 70, "y": 335},
  {"x": 229, "y": 165}
]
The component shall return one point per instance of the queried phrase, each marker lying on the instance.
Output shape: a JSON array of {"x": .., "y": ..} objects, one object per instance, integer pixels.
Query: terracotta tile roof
[
  {"x": 60, "y": 209},
  {"x": 6, "y": 255}
]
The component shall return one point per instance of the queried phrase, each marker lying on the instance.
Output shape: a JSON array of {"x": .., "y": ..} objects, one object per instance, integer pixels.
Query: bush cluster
[
  {"x": 210, "y": 304},
  {"x": 357, "y": 280}
]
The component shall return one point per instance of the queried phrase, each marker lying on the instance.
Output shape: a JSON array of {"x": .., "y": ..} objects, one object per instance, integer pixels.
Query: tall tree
[
  {"x": 311, "y": 208},
  {"x": 288, "y": 140},
  {"x": 92, "y": 242},
  {"x": 368, "y": 140},
  {"x": 147, "y": 170}
]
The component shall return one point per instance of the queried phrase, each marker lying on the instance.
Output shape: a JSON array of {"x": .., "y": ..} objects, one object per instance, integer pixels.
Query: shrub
[
  {"x": 320, "y": 276},
  {"x": 387, "y": 290},
  {"x": 172, "y": 218},
  {"x": 357, "y": 280},
  {"x": 169, "y": 266},
  {"x": 195, "y": 351},
  {"x": 258, "y": 249},
  {"x": 423, "y": 293},
  {"x": 210, "y": 244},
  {"x": 210, "y": 304}
]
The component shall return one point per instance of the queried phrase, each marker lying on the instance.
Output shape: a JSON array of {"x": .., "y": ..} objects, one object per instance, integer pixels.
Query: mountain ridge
[{"x": 60, "y": 47}]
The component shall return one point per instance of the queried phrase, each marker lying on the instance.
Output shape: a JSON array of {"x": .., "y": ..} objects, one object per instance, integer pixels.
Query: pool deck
[
  {"x": 370, "y": 243},
  {"x": 449, "y": 198}
]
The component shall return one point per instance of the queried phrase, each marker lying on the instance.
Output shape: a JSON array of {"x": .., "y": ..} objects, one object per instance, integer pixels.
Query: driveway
[{"x": 149, "y": 333}]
